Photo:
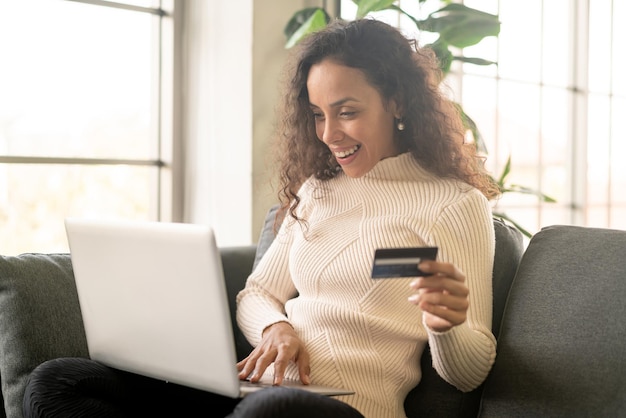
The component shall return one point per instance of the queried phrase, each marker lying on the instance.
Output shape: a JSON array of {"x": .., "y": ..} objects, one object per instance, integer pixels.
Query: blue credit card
[{"x": 391, "y": 263}]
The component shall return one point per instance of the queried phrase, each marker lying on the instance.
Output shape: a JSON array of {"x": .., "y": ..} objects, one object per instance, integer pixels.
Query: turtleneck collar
[{"x": 402, "y": 167}]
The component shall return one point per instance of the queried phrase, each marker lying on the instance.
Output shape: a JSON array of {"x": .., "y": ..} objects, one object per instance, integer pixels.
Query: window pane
[
  {"x": 555, "y": 214},
  {"x": 555, "y": 124},
  {"x": 600, "y": 46},
  {"x": 479, "y": 102},
  {"x": 79, "y": 82},
  {"x": 618, "y": 151},
  {"x": 619, "y": 52},
  {"x": 556, "y": 41},
  {"x": 519, "y": 126},
  {"x": 618, "y": 217},
  {"x": 597, "y": 217},
  {"x": 598, "y": 151},
  {"x": 520, "y": 40},
  {"x": 35, "y": 200},
  {"x": 555, "y": 143}
]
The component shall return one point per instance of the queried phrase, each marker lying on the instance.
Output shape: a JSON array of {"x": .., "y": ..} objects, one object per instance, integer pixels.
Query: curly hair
[{"x": 400, "y": 71}]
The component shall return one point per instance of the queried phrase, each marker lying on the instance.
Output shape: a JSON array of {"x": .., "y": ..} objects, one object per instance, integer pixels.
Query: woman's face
[{"x": 350, "y": 117}]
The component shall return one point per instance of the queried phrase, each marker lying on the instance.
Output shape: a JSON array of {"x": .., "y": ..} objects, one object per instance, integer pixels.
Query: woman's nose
[{"x": 331, "y": 131}]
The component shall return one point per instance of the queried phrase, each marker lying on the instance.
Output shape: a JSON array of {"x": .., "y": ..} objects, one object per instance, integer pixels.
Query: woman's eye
[{"x": 347, "y": 114}]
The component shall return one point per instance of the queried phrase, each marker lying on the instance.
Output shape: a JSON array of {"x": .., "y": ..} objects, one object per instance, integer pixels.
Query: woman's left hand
[{"x": 443, "y": 296}]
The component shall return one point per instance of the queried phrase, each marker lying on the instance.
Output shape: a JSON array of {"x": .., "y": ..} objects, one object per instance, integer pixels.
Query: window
[
  {"x": 552, "y": 104},
  {"x": 84, "y": 101}
]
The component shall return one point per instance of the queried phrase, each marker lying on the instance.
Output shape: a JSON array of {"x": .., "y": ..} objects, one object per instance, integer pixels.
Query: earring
[{"x": 400, "y": 125}]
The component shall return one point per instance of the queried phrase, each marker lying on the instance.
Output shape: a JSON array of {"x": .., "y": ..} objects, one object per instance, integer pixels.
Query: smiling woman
[
  {"x": 78, "y": 123},
  {"x": 371, "y": 155}
]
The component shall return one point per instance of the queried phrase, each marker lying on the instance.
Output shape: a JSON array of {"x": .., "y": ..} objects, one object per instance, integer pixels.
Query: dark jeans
[{"x": 77, "y": 387}]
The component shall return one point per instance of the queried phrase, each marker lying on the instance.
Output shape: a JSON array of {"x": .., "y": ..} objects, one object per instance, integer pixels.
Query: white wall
[
  {"x": 233, "y": 55},
  {"x": 217, "y": 91},
  {"x": 268, "y": 59}
]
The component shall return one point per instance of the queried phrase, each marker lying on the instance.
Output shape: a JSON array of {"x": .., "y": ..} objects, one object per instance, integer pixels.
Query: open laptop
[{"x": 154, "y": 302}]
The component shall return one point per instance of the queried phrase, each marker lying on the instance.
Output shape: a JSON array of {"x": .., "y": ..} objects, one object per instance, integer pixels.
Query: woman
[{"x": 372, "y": 156}]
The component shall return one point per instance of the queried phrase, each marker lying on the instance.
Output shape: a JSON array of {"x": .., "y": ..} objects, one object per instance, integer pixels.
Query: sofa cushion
[
  {"x": 509, "y": 250},
  {"x": 268, "y": 233},
  {"x": 562, "y": 342},
  {"x": 39, "y": 319},
  {"x": 237, "y": 263}
]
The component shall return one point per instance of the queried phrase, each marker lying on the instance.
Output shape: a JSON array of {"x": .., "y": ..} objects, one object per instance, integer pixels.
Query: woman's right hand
[{"x": 280, "y": 345}]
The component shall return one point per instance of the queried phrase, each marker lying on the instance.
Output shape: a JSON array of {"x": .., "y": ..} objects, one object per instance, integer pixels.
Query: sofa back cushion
[
  {"x": 237, "y": 263},
  {"x": 40, "y": 319},
  {"x": 562, "y": 345}
]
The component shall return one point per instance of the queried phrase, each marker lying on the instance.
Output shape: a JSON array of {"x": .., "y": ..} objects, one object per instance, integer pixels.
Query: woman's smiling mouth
[{"x": 347, "y": 153}]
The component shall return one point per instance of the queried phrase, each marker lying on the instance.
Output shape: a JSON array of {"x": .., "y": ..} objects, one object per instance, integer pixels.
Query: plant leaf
[
  {"x": 515, "y": 224},
  {"x": 410, "y": 16},
  {"x": 315, "y": 19},
  {"x": 297, "y": 20},
  {"x": 516, "y": 188},
  {"x": 461, "y": 26},
  {"x": 477, "y": 61},
  {"x": 505, "y": 173},
  {"x": 367, "y": 6}
]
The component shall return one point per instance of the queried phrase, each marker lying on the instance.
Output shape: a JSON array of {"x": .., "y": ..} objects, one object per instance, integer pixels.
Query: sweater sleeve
[
  {"x": 464, "y": 232},
  {"x": 262, "y": 302}
]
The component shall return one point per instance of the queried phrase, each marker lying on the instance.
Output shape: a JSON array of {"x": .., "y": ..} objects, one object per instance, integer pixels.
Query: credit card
[{"x": 390, "y": 263}]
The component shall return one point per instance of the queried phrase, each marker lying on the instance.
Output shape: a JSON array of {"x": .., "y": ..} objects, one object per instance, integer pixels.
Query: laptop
[{"x": 153, "y": 301}]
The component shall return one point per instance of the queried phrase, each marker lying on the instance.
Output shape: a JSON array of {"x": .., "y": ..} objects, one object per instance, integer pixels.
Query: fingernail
[{"x": 414, "y": 298}]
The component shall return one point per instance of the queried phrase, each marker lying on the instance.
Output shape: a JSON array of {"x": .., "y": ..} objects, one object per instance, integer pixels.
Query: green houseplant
[{"x": 456, "y": 26}]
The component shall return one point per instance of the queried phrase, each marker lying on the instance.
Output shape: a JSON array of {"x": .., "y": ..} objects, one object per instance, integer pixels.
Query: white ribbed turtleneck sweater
[{"x": 362, "y": 333}]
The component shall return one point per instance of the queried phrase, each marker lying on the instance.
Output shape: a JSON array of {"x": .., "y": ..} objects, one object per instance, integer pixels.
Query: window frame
[{"x": 166, "y": 84}]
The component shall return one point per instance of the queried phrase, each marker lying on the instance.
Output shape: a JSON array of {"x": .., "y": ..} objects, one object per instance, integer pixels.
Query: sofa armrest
[
  {"x": 563, "y": 336},
  {"x": 237, "y": 263}
]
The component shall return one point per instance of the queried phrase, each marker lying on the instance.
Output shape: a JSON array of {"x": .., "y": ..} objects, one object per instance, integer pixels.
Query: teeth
[{"x": 344, "y": 154}]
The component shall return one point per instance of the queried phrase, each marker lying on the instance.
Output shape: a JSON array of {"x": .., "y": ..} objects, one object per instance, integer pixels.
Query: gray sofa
[{"x": 559, "y": 316}]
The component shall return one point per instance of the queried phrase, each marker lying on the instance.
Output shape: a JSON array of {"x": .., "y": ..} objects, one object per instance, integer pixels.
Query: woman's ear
[{"x": 395, "y": 109}]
